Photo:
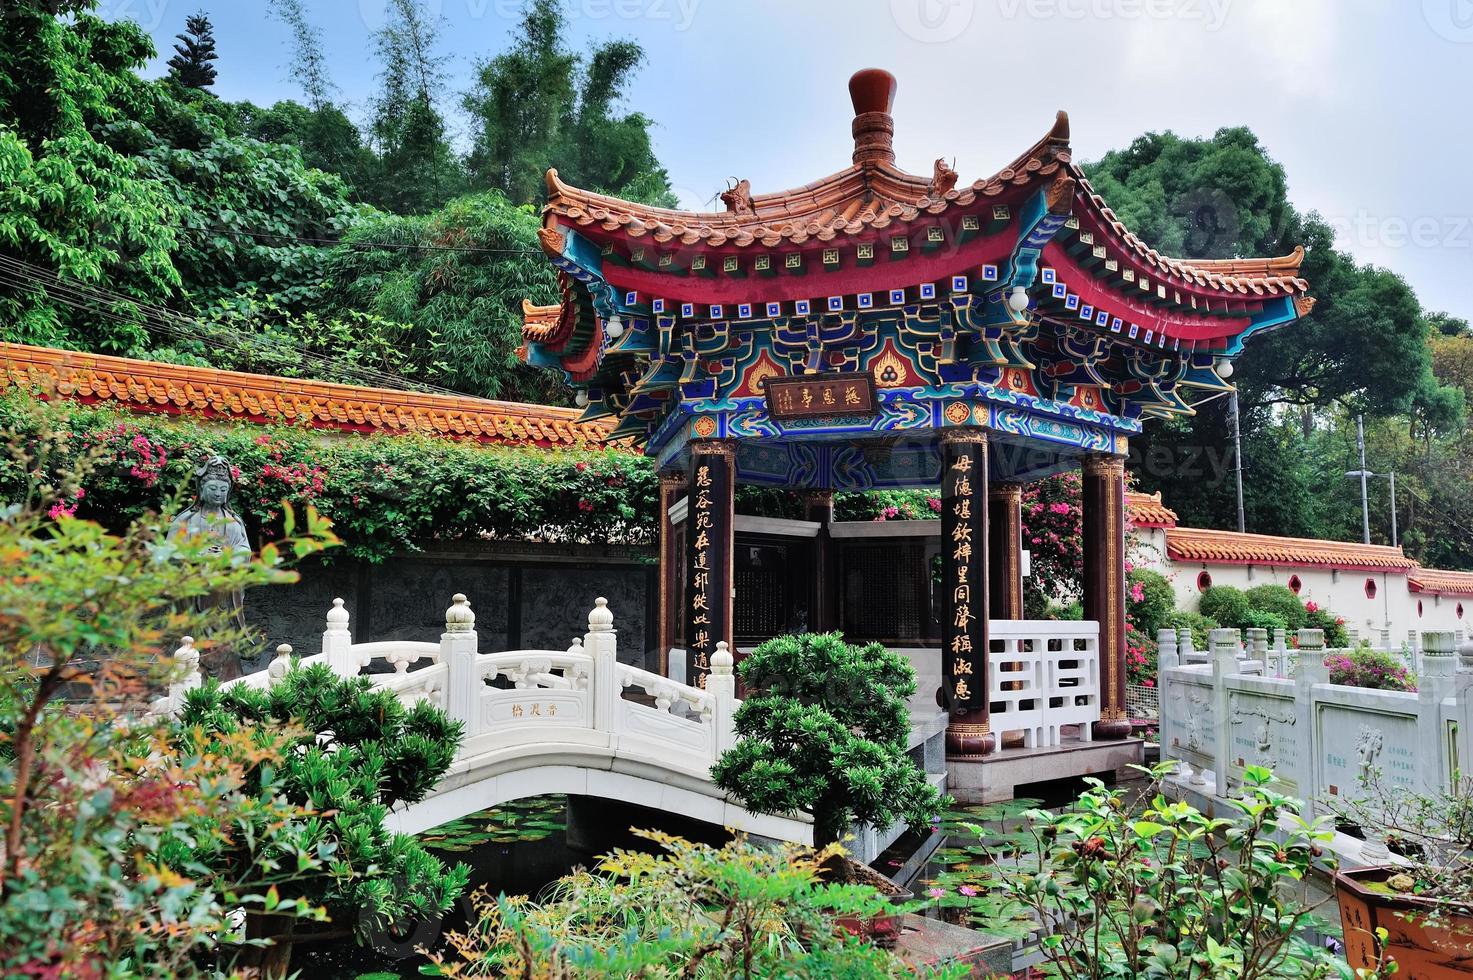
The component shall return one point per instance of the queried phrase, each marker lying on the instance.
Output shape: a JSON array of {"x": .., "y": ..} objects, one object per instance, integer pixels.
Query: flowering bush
[
  {"x": 1364, "y": 667},
  {"x": 1141, "y": 658},
  {"x": 383, "y": 494}
]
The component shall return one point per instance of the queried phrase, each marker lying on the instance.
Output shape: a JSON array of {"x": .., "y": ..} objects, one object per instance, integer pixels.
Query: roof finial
[{"x": 872, "y": 91}]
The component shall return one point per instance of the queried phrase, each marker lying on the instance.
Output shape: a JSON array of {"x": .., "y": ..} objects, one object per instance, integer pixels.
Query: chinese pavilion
[{"x": 878, "y": 329}]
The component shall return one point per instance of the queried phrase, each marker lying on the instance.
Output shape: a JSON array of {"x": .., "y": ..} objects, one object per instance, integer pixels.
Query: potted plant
[
  {"x": 1415, "y": 908},
  {"x": 824, "y": 731}
]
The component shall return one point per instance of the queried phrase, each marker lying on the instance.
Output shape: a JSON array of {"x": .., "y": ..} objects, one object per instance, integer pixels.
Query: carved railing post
[
  {"x": 1310, "y": 670},
  {"x": 601, "y": 644},
  {"x": 721, "y": 685},
  {"x": 1436, "y": 681},
  {"x": 1185, "y": 646},
  {"x": 1166, "y": 659},
  {"x": 1281, "y": 654},
  {"x": 337, "y": 642},
  {"x": 1225, "y": 650},
  {"x": 458, "y": 654}
]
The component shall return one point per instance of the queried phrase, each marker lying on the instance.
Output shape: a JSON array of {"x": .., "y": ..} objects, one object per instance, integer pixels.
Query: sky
[{"x": 1364, "y": 102}]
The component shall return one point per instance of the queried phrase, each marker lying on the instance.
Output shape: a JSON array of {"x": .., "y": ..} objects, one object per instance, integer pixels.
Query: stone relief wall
[{"x": 519, "y": 603}]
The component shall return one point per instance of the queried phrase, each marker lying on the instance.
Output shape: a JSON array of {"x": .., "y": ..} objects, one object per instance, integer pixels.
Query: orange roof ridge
[
  {"x": 178, "y": 389},
  {"x": 1234, "y": 547},
  {"x": 1147, "y": 510},
  {"x": 1440, "y": 580}
]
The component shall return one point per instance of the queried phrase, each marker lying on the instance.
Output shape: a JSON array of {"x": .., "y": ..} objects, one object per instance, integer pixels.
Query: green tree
[
  {"x": 417, "y": 170},
  {"x": 1363, "y": 346},
  {"x": 194, "y": 55},
  {"x": 462, "y": 272},
  {"x": 327, "y": 139},
  {"x": 823, "y": 731},
  {"x": 309, "y": 62},
  {"x": 70, "y": 201},
  {"x": 539, "y": 105}
]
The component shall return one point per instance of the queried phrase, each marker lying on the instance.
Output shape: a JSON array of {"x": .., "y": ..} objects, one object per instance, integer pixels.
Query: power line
[{"x": 406, "y": 246}]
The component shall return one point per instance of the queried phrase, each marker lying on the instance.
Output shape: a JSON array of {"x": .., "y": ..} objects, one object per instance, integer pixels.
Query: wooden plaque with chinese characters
[{"x": 820, "y": 394}]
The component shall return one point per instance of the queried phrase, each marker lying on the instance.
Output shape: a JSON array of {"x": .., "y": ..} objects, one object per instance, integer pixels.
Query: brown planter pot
[
  {"x": 1423, "y": 949},
  {"x": 881, "y": 930}
]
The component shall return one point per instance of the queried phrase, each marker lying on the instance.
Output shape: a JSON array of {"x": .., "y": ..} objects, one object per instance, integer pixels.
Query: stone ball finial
[
  {"x": 577, "y": 646},
  {"x": 601, "y": 618},
  {"x": 337, "y": 616},
  {"x": 459, "y": 618},
  {"x": 721, "y": 660},
  {"x": 1465, "y": 652},
  {"x": 187, "y": 654},
  {"x": 277, "y": 669}
]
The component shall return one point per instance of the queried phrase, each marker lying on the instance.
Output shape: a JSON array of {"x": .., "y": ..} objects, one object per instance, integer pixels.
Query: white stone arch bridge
[{"x": 573, "y": 721}]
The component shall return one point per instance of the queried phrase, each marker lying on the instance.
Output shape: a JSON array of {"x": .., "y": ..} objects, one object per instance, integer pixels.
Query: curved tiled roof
[
  {"x": 1274, "y": 276},
  {"x": 1147, "y": 510},
  {"x": 148, "y": 385},
  {"x": 1437, "y": 580},
  {"x": 869, "y": 195},
  {"x": 1202, "y": 544}
]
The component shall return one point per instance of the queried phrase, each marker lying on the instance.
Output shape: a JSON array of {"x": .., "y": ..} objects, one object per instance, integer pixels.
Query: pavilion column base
[
  {"x": 1112, "y": 728},
  {"x": 969, "y": 740}
]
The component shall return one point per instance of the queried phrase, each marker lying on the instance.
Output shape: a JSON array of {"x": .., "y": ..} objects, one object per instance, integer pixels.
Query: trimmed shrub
[
  {"x": 1201, "y": 626},
  {"x": 1149, "y": 600},
  {"x": 1280, "y": 600},
  {"x": 1227, "y": 605},
  {"x": 1259, "y": 619}
]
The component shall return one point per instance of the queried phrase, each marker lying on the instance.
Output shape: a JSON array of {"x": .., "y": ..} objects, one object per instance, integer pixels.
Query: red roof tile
[
  {"x": 148, "y": 385},
  {"x": 1436, "y": 580},
  {"x": 1230, "y": 547}
]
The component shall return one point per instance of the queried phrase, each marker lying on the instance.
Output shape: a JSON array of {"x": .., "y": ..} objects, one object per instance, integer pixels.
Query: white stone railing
[
  {"x": 528, "y": 696},
  {"x": 1322, "y": 740},
  {"x": 1045, "y": 674}
]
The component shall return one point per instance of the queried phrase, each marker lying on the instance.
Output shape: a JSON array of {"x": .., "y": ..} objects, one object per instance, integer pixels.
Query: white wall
[{"x": 1343, "y": 591}]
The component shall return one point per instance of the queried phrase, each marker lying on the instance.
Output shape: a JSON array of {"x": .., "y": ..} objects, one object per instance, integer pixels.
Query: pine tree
[{"x": 191, "y": 65}]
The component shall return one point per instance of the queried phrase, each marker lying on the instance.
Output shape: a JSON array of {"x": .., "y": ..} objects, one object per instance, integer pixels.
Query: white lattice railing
[
  {"x": 1044, "y": 675},
  {"x": 580, "y": 695}
]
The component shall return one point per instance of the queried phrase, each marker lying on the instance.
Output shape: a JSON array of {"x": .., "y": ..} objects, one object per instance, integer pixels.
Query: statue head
[{"x": 214, "y": 482}]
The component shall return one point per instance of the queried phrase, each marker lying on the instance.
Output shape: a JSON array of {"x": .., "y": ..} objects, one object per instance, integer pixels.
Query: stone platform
[
  {"x": 996, "y": 778},
  {"x": 930, "y": 942}
]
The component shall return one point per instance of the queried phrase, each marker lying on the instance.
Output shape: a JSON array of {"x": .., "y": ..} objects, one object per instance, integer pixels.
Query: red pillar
[
  {"x": 1005, "y": 551},
  {"x": 1104, "y": 583},
  {"x": 964, "y": 691}
]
